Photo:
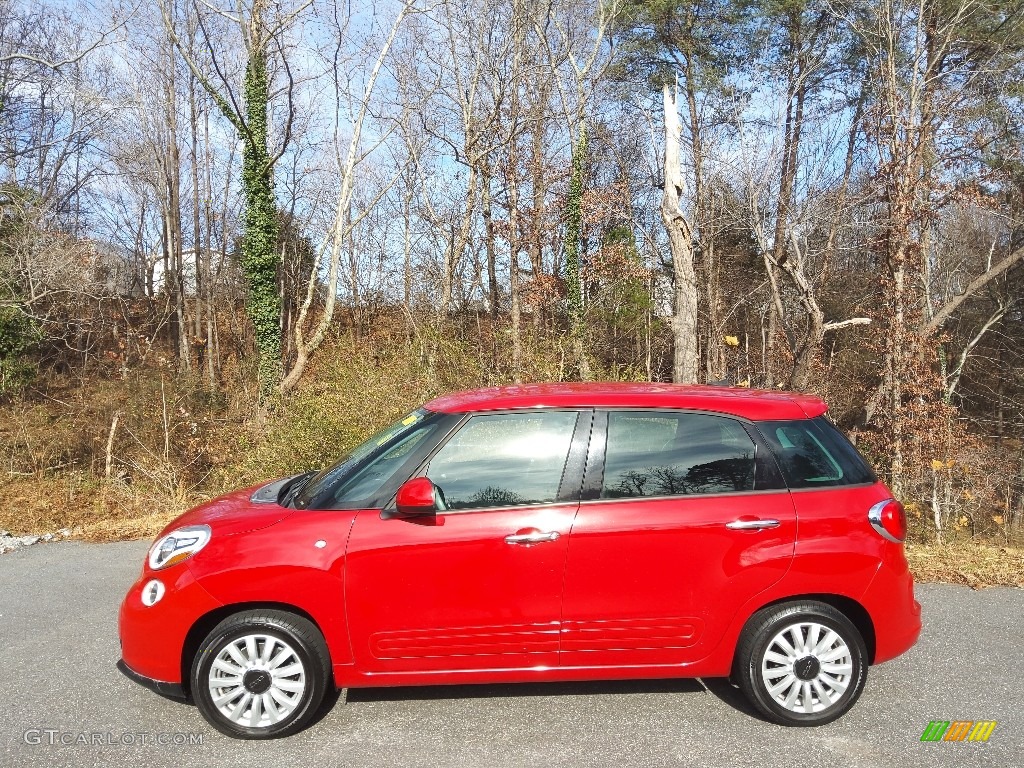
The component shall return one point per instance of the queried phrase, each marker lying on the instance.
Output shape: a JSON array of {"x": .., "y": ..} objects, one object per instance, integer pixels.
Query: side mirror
[{"x": 419, "y": 496}]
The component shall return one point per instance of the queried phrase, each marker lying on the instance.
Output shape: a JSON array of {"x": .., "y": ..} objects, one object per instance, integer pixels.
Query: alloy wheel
[{"x": 807, "y": 667}]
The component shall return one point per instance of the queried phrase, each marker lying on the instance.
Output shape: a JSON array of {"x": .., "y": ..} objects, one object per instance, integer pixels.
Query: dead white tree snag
[{"x": 680, "y": 238}]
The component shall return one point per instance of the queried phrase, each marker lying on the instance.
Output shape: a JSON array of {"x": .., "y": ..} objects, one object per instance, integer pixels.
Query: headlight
[{"x": 178, "y": 545}]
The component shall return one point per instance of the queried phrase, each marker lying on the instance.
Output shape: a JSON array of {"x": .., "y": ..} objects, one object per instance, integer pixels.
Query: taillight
[{"x": 888, "y": 518}]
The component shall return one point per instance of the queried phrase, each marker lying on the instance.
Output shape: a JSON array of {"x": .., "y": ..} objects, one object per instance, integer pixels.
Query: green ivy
[
  {"x": 259, "y": 240},
  {"x": 574, "y": 232},
  {"x": 18, "y": 334}
]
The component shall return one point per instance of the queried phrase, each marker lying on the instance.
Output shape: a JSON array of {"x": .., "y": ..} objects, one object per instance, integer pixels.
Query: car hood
[{"x": 232, "y": 513}]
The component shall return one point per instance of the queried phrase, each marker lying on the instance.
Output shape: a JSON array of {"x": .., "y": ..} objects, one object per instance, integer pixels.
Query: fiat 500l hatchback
[{"x": 545, "y": 532}]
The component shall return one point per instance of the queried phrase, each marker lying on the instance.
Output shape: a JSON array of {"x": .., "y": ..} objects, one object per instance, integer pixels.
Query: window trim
[
  {"x": 824, "y": 488},
  {"x": 572, "y": 471},
  {"x": 684, "y": 496}
]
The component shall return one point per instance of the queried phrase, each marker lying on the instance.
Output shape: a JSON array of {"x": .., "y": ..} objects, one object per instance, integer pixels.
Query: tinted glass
[
  {"x": 349, "y": 477},
  {"x": 675, "y": 454},
  {"x": 812, "y": 453},
  {"x": 505, "y": 459},
  {"x": 367, "y": 480}
]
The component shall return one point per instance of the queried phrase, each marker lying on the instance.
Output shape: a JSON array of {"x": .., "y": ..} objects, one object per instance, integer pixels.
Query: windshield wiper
[{"x": 287, "y": 492}]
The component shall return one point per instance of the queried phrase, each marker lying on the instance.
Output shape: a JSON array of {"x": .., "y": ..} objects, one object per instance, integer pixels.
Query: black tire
[
  {"x": 308, "y": 664},
  {"x": 761, "y": 636}
]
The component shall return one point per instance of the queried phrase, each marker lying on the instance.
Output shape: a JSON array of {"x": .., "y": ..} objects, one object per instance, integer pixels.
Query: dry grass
[
  {"x": 97, "y": 511},
  {"x": 120, "y": 529},
  {"x": 35, "y": 505},
  {"x": 975, "y": 565}
]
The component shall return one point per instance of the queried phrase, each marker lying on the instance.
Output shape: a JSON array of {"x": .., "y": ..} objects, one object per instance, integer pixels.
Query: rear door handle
[
  {"x": 533, "y": 537},
  {"x": 752, "y": 525}
]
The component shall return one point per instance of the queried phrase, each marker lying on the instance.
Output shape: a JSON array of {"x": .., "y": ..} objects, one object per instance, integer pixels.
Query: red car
[{"x": 533, "y": 533}]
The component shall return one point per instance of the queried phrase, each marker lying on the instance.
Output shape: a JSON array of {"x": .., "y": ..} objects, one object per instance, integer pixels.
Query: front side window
[
  {"x": 504, "y": 459},
  {"x": 660, "y": 453},
  {"x": 814, "y": 454}
]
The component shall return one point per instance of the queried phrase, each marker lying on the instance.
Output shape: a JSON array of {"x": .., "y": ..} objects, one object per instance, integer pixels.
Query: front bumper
[
  {"x": 170, "y": 690},
  {"x": 153, "y": 638}
]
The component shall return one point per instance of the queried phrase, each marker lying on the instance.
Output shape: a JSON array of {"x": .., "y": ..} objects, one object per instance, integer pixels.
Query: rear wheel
[
  {"x": 801, "y": 663},
  {"x": 261, "y": 674}
]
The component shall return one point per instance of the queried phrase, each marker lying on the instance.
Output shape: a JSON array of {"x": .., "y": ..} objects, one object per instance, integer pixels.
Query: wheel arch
[
  {"x": 852, "y": 609},
  {"x": 205, "y": 624}
]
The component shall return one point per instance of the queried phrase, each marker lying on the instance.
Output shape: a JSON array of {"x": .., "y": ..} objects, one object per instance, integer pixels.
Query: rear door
[{"x": 683, "y": 519}]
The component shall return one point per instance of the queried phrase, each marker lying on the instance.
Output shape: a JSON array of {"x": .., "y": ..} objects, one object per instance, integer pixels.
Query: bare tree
[
  {"x": 686, "y": 361},
  {"x": 309, "y": 331}
]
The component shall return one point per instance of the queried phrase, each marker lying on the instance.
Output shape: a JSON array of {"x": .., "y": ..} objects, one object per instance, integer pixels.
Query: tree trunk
[
  {"x": 259, "y": 239},
  {"x": 573, "y": 252},
  {"x": 492, "y": 270},
  {"x": 305, "y": 346},
  {"x": 458, "y": 242},
  {"x": 212, "y": 353},
  {"x": 536, "y": 244},
  {"x": 514, "y": 244},
  {"x": 685, "y": 361},
  {"x": 197, "y": 252}
]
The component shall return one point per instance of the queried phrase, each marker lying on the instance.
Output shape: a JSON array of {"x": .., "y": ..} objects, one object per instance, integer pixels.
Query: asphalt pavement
[{"x": 64, "y": 703}]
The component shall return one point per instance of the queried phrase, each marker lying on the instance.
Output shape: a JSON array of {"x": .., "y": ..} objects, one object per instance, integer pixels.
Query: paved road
[{"x": 58, "y": 608}]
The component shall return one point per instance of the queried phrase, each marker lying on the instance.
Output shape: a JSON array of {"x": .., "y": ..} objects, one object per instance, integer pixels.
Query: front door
[
  {"x": 478, "y": 586},
  {"x": 678, "y": 537}
]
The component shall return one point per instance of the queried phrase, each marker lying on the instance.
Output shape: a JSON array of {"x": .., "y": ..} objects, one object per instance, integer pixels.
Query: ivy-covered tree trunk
[
  {"x": 259, "y": 239},
  {"x": 574, "y": 233},
  {"x": 573, "y": 244}
]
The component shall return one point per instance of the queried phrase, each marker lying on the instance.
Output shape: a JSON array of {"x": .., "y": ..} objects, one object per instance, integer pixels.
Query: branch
[
  {"x": 843, "y": 323},
  {"x": 287, "y": 137},
  {"x": 976, "y": 285},
  {"x": 233, "y": 115},
  {"x": 56, "y": 65},
  {"x": 219, "y": 12},
  {"x": 953, "y": 380},
  {"x": 286, "y": 21}
]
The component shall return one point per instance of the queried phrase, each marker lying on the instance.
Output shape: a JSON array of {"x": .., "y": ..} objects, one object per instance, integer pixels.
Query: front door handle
[
  {"x": 752, "y": 525},
  {"x": 531, "y": 537}
]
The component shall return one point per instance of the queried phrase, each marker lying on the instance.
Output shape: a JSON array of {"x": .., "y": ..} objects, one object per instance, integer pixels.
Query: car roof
[{"x": 735, "y": 401}]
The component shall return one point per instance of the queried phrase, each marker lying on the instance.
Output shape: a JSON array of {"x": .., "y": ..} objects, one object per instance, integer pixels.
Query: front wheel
[
  {"x": 261, "y": 674},
  {"x": 801, "y": 663}
]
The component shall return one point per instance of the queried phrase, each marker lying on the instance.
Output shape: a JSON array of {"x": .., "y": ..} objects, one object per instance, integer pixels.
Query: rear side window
[
  {"x": 658, "y": 453},
  {"x": 814, "y": 454}
]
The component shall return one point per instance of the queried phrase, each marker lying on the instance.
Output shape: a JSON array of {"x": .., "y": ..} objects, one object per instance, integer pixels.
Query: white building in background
[
  {"x": 114, "y": 272},
  {"x": 156, "y": 275},
  {"x": 224, "y": 272}
]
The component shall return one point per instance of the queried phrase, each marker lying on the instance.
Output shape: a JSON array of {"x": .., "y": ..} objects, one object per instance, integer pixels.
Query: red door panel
[
  {"x": 656, "y": 581},
  {"x": 450, "y": 593}
]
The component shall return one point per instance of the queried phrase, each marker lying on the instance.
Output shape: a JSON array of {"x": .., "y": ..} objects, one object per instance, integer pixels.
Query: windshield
[{"x": 364, "y": 470}]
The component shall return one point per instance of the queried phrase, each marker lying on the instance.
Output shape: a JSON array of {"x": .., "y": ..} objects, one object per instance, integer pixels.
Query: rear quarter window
[{"x": 812, "y": 453}]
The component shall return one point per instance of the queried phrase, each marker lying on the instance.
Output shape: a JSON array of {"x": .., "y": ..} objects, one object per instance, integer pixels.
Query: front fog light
[{"x": 152, "y": 592}]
